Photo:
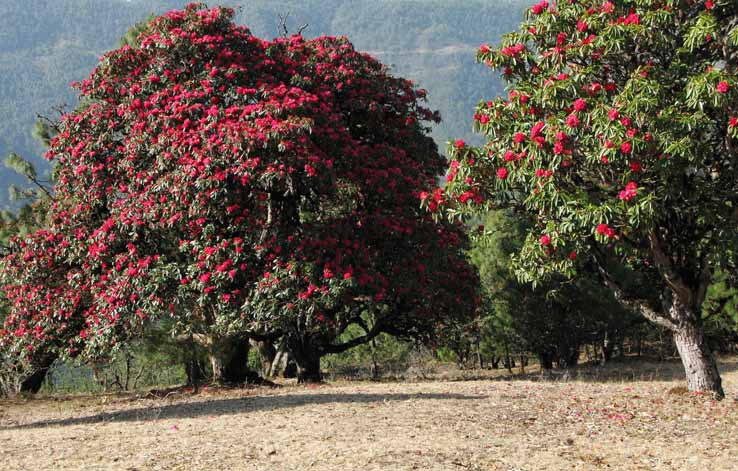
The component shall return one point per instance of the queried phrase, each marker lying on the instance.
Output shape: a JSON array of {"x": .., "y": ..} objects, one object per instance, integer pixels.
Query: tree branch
[
  {"x": 375, "y": 330},
  {"x": 672, "y": 278},
  {"x": 638, "y": 305}
]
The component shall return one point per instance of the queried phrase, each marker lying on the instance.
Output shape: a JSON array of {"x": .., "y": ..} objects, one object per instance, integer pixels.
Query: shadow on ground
[{"x": 233, "y": 406}]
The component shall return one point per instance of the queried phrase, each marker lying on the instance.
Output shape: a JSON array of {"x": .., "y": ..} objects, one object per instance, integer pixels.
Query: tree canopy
[
  {"x": 239, "y": 187},
  {"x": 617, "y": 136}
]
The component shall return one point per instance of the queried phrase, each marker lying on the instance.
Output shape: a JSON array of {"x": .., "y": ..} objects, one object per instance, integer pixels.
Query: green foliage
[
  {"x": 552, "y": 321},
  {"x": 131, "y": 36},
  {"x": 390, "y": 354}
]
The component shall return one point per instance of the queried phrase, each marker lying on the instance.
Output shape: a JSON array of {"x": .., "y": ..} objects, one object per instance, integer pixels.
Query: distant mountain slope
[{"x": 46, "y": 44}]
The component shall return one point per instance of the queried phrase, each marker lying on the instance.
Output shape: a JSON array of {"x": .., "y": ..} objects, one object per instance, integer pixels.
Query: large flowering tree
[
  {"x": 246, "y": 188},
  {"x": 619, "y": 136}
]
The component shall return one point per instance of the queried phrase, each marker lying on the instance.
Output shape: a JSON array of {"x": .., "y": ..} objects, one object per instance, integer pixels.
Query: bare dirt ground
[{"x": 628, "y": 416}]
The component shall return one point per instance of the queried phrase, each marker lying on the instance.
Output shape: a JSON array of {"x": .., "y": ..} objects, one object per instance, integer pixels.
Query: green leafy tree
[
  {"x": 618, "y": 138},
  {"x": 551, "y": 321}
]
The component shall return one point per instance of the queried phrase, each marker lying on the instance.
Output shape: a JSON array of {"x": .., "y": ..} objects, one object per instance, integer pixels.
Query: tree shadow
[{"x": 186, "y": 410}]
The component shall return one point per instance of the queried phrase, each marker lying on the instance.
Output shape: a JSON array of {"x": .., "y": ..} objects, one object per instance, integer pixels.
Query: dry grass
[{"x": 598, "y": 419}]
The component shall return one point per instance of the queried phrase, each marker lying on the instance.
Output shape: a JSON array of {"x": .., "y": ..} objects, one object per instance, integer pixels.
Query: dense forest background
[{"x": 47, "y": 44}]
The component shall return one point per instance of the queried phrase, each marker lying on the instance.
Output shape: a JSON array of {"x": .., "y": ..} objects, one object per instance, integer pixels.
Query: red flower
[
  {"x": 635, "y": 167},
  {"x": 545, "y": 240},
  {"x": 604, "y": 229},
  {"x": 709, "y": 4},
  {"x": 733, "y": 122},
  {"x": 632, "y": 19},
  {"x": 572, "y": 121},
  {"x": 460, "y": 144},
  {"x": 502, "y": 173},
  {"x": 613, "y": 114},
  {"x": 626, "y": 147},
  {"x": 580, "y": 105},
  {"x": 519, "y": 138},
  {"x": 629, "y": 192},
  {"x": 723, "y": 87},
  {"x": 540, "y": 7}
]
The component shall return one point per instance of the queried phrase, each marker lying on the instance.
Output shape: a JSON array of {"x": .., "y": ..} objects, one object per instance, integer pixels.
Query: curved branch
[
  {"x": 375, "y": 330},
  {"x": 637, "y": 305}
]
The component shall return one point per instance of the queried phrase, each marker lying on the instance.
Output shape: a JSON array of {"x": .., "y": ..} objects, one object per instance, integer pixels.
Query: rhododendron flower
[
  {"x": 629, "y": 192},
  {"x": 536, "y": 129},
  {"x": 607, "y": 7},
  {"x": 632, "y": 19},
  {"x": 604, "y": 229},
  {"x": 513, "y": 51},
  {"x": 540, "y": 7},
  {"x": 580, "y": 105}
]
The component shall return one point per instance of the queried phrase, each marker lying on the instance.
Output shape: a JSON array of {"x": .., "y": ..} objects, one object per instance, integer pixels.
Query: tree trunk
[
  {"x": 546, "y": 361},
  {"x": 229, "y": 360},
  {"x": 267, "y": 353},
  {"x": 307, "y": 356},
  {"x": 33, "y": 383},
  {"x": 699, "y": 363},
  {"x": 283, "y": 364}
]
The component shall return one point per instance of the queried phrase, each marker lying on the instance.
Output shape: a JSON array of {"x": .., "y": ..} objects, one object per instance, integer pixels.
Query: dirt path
[{"x": 441, "y": 425}]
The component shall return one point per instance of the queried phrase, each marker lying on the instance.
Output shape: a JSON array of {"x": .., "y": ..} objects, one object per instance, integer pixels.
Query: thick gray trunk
[{"x": 699, "y": 363}]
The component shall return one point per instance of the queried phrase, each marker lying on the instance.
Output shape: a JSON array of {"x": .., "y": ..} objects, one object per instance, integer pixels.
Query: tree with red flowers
[
  {"x": 619, "y": 137},
  {"x": 241, "y": 188}
]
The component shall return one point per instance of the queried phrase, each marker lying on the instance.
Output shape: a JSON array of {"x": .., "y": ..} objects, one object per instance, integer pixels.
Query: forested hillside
[{"x": 46, "y": 44}]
